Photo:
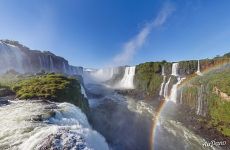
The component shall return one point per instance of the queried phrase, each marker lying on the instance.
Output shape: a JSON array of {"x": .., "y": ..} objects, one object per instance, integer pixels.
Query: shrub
[{"x": 52, "y": 87}]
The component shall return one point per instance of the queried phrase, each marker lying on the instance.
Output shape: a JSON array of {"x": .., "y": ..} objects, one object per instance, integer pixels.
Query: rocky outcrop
[
  {"x": 207, "y": 96},
  {"x": 52, "y": 87},
  {"x": 6, "y": 92},
  {"x": 221, "y": 94},
  {"x": 206, "y": 64},
  {"x": 187, "y": 67},
  {"x": 148, "y": 77},
  {"x": 15, "y": 56}
]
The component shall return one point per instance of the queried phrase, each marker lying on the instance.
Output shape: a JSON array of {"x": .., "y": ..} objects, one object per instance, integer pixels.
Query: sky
[{"x": 103, "y": 33}]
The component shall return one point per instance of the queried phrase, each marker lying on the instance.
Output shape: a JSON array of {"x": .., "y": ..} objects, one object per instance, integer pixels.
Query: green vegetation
[
  {"x": 52, "y": 87},
  {"x": 222, "y": 81},
  {"x": 216, "y": 107},
  {"x": 190, "y": 93},
  {"x": 220, "y": 113},
  {"x": 188, "y": 67},
  {"x": 148, "y": 76}
]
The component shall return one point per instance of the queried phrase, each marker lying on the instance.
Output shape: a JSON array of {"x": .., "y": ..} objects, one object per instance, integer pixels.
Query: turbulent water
[
  {"x": 126, "y": 123},
  {"x": 118, "y": 122},
  {"x": 43, "y": 125}
]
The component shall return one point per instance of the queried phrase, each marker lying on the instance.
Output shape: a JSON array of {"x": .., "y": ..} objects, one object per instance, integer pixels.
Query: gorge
[{"x": 123, "y": 107}]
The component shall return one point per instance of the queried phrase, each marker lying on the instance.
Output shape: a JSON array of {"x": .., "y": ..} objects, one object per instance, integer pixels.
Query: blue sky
[{"x": 101, "y": 33}]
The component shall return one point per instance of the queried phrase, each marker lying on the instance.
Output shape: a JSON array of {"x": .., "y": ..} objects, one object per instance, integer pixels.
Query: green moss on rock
[
  {"x": 217, "y": 108},
  {"x": 148, "y": 77},
  {"x": 52, "y": 87}
]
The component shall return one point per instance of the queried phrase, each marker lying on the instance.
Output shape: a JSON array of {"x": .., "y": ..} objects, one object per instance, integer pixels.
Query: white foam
[{"x": 68, "y": 128}]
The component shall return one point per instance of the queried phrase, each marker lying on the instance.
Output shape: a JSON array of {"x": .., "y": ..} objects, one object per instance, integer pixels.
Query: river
[{"x": 130, "y": 124}]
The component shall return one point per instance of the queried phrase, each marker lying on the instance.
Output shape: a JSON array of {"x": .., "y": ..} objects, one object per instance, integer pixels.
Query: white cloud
[{"x": 137, "y": 41}]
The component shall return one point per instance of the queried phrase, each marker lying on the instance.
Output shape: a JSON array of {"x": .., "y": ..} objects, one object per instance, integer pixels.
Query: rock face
[
  {"x": 14, "y": 56},
  {"x": 5, "y": 92},
  {"x": 208, "y": 97},
  {"x": 52, "y": 87},
  {"x": 223, "y": 95},
  {"x": 151, "y": 77}
]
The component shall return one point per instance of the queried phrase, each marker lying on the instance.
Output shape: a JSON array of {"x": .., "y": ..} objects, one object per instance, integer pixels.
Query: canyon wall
[
  {"x": 200, "y": 86},
  {"x": 15, "y": 56}
]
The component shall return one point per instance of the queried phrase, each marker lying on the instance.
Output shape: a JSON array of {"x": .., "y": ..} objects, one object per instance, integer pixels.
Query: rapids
[
  {"x": 29, "y": 125},
  {"x": 127, "y": 123}
]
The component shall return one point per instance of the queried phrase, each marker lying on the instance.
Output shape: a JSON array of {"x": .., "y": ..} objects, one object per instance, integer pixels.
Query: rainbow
[{"x": 164, "y": 102}]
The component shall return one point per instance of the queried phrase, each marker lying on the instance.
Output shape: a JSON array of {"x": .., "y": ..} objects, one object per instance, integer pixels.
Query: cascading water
[
  {"x": 200, "y": 101},
  {"x": 162, "y": 86},
  {"x": 29, "y": 125},
  {"x": 101, "y": 75},
  {"x": 198, "y": 72},
  {"x": 11, "y": 58},
  {"x": 181, "y": 96},
  {"x": 44, "y": 62},
  {"x": 24, "y": 61},
  {"x": 51, "y": 64},
  {"x": 127, "y": 80},
  {"x": 83, "y": 91},
  {"x": 40, "y": 62},
  {"x": 166, "y": 88},
  {"x": 163, "y": 83},
  {"x": 64, "y": 67},
  {"x": 175, "y": 69},
  {"x": 173, "y": 93}
]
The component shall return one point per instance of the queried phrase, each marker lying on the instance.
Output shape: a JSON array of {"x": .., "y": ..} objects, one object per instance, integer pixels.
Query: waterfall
[
  {"x": 166, "y": 88},
  {"x": 163, "y": 83},
  {"x": 162, "y": 86},
  {"x": 40, "y": 62},
  {"x": 51, "y": 64},
  {"x": 173, "y": 92},
  {"x": 64, "y": 67},
  {"x": 11, "y": 57},
  {"x": 173, "y": 95},
  {"x": 127, "y": 80},
  {"x": 175, "y": 69},
  {"x": 44, "y": 62},
  {"x": 29, "y": 125},
  {"x": 101, "y": 75},
  {"x": 198, "y": 69},
  {"x": 83, "y": 91},
  {"x": 181, "y": 96},
  {"x": 30, "y": 61},
  {"x": 200, "y": 101},
  {"x": 163, "y": 71}
]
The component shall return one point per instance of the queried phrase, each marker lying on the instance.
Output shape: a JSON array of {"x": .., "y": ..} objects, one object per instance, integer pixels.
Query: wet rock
[
  {"x": 6, "y": 92},
  {"x": 4, "y": 102},
  {"x": 36, "y": 118}
]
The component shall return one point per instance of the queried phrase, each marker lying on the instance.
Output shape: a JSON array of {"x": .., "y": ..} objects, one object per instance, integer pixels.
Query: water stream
[{"x": 29, "y": 125}]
